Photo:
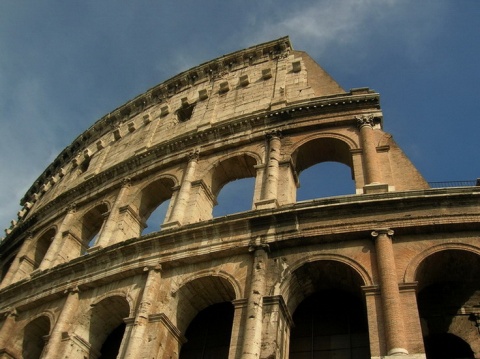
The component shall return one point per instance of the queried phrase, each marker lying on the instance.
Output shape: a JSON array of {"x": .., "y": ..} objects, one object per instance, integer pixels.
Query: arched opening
[
  {"x": 202, "y": 300},
  {"x": 449, "y": 293},
  {"x": 329, "y": 312},
  {"x": 208, "y": 335},
  {"x": 34, "y": 337},
  {"x": 232, "y": 184},
  {"x": 156, "y": 218},
  {"x": 325, "y": 168},
  {"x": 91, "y": 225},
  {"x": 235, "y": 196},
  {"x": 111, "y": 346},
  {"x": 325, "y": 179},
  {"x": 330, "y": 324},
  {"x": 41, "y": 248},
  {"x": 154, "y": 204},
  {"x": 107, "y": 326}
]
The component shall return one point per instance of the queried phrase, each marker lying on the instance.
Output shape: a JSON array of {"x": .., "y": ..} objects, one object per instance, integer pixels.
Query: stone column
[
  {"x": 181, "y": 201},
  {"x": 274, "y": 146},
  {"x": 270, "y": 187},
  {"x": 138, "y": 342},
  {"x": 21, "y": 263},
  {"x": 391, "y": 305},
  {"x": 7, "y": 331},
  {"x": 110, "y": 229},
  {"x": 372, "y": 169},
  {"x": 59, "y": 239},
  {"x": 252, "y": 337},
  {"x": 53, "y": 348}
]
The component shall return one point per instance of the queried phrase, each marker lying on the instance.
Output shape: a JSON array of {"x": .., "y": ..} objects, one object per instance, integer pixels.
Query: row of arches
[
  {"x": 235, "y": 182},
  {"x": 329, "y": 313}
]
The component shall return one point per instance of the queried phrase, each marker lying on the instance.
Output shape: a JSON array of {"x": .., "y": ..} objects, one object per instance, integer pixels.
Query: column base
[
  {"x": 373, "y": 188},
  {"x": 170, "y": 225},
  {"x": 404, "y": 356},
  {"x": 266, "y": 204}
]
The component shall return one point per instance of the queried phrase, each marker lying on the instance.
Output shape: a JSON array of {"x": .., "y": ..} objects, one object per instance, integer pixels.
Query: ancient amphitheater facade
[{"x": 391, "y": 269}]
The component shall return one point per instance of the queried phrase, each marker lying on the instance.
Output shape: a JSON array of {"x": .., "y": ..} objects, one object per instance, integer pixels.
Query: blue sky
[{"x": 65, "y": 64}]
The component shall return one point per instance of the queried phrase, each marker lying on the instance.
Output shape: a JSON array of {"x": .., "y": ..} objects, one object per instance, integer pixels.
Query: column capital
[
  {"x": 126, "y": 182},
  {"x": 270, "y": 135},
  {"x": 382, "y": 231},
  {"x": 10, "y": 312},
  {"x": 255, "y": 247},
  {"x": 155, "y": 268},
  {"x": 72, "y": 290},
  {"x": 366, "y": 120},
  {"x": 193, "y": 155},
  {"x": 72, "y": 208}
]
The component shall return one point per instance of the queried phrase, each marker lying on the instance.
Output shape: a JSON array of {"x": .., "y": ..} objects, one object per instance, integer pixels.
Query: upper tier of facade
[{"x": 216, "y": 110}]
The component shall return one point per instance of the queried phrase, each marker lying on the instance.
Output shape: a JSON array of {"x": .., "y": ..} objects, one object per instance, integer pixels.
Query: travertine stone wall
[{"x": 76, "y": 267}]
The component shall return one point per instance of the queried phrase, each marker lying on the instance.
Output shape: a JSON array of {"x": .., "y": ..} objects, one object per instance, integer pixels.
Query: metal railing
[{"x": 469, "y": 183}]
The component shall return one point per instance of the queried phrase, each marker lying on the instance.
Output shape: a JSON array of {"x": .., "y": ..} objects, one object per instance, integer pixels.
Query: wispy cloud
[{"x": 357, "y": 24}]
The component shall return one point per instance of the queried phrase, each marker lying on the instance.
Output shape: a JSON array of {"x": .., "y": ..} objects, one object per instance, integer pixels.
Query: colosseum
[{"x": 392, "y": 268}]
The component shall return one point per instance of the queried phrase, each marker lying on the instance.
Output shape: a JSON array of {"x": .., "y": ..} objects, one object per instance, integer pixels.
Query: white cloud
[{"x": 358, "y": 24}]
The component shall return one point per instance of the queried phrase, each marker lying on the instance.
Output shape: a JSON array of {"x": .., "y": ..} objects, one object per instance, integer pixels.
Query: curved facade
[{"x": 391, "y": 269}]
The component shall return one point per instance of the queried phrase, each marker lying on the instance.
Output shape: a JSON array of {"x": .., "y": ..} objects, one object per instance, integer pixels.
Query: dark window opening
[
  {"x": 185, "y": 112},
  {"x": 209, "y": 333},
  {"x": 111, "y": 346},
  {"x": 330, "y": 324},
  {"x": 85, "y": 164},
  {"x": 6, "y": 267},
  {"x": 446, "y": 346}
]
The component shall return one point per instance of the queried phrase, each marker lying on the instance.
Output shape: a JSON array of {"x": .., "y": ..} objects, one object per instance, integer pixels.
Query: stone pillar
[
  {"x": 270, "y": 188},
  {"x": 21, "y": 264},
  {"x": 274, "y": 146},
  {"x": 371, "y": 166},
  {"x": 391, "y": 306},
  {"x": 181, "y": 201},
  {"x": 138, "y": 342},
  {"x": 110, "y": 229},
  {"x": 53, "y": 348},
  {"x": 7, "y": 331},
  {"x": 50, "y": 257},
  {"x": 252, "y": 337}
]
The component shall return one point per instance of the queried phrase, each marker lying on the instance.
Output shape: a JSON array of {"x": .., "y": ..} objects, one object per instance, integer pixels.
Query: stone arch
[
  {"x": 41, "y": 245},
  {"x": 226, "y": 169},
  {"x": 321, "y": 154},
  {"x": 280, "y": 287},
  {"x": 205, "y": 314},
  {"x": 199, "y": 293},
  {"x": 34, "y": 333},
  {"x": 229, "y": 168},
  {"x": 321, "y": 148},
  {"x": 91, "y": 223},
  {"x": 153, "y": 194},
  {"x": 448, "y": 292},
  {"x": 207, "y": 272},
  {"x": 107, "y": 318},
  {"x": 410, "y": 274},
  {"x": 324, "y": 295},
  {"x": 117, "y": 293}
]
